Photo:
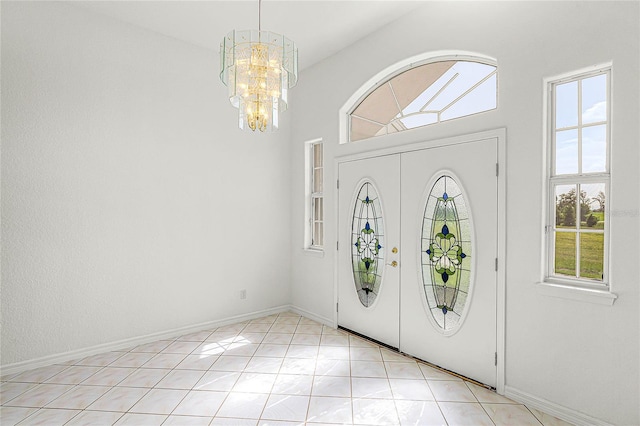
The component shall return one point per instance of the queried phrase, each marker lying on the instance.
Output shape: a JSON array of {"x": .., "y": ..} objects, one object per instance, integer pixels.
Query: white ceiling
[{"x": 319, "y": 28}]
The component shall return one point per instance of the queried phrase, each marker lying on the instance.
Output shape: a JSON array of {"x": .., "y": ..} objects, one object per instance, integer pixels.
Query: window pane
[
  {"x": 565, "y": 254},
  {"x": 363, "y": 129},
  {"x": 379, "y": 106},
  {"x": 566, "y": 206},
  {"x": 317, "y": 155},
  {"x": 467, "y": 74},
  {"x": 317, "y": 234},
  {"x": 418, "y": 120},
  {"x": 482, "y": 98},
  {"x": 567, "y": 105},
  {"x": 594, "y": 149},
  {"x": 317, "y": 209},
  {"x": 591, "y": 255},
  {"x": 592, "y": 205},
  {"x": 566, "y": 152},
  {"x": 416, "y": 86},
  {"x": 594, "y": 99},
  {"x": 317, "y": 180},
  {"x": 423, "y": 99}
]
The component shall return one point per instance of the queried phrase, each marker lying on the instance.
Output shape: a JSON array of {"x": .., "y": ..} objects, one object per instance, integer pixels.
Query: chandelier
[{"x": 259, "y": 68}]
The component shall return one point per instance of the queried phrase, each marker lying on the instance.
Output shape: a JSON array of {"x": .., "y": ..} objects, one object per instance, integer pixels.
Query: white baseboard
[
  {"x": 318, "y": 318},
  {"x": 64, "y": 357},
  {"x": 559, "y": 411}
]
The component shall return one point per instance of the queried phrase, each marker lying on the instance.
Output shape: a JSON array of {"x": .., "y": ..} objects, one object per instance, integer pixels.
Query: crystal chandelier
[{"x": 259, "y": 68}]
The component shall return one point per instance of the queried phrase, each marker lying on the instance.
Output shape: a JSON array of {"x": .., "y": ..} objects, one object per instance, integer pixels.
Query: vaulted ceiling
[{"x": 319, "y": 28}]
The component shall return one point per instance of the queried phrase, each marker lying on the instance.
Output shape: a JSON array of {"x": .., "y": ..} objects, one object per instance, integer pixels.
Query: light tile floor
[{"x": 277, "y": 370}]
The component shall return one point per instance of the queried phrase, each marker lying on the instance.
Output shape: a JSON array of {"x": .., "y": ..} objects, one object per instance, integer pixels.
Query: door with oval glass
[
  {"x": 369, "y": 237},
  {"x": 433, "y": 296},
  {"x": 449, "y": 240}
]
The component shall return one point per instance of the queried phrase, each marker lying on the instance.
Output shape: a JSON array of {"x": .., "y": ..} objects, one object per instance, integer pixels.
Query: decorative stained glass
[
  {"x": 446, "y": 253},
  {"x": 366, "y": 242}
]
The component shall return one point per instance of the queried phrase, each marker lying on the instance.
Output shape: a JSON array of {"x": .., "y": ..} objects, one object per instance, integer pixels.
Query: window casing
[
  {"x": 577, "y": 224},
  {"x": 315, "y": 199}
]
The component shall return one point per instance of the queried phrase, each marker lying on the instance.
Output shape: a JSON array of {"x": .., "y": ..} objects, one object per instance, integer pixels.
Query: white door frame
[{"x": 499, "y": 134}]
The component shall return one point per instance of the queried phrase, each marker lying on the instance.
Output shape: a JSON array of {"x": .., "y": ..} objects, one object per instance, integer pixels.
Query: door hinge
[
  {"x": 496, "y": 263},
  {"x": 337, "y": 245},
  {"x": 495, "y": 359},
  {"x": 337, "y": 184},
  {"x": 336, "y": 306},
  {"x": 497, "y": 169}
]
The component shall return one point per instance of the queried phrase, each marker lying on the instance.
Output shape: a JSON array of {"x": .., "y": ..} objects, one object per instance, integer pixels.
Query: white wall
[
  {"x": 131, "y": 203},
  {"x": 579, "y": 355}
]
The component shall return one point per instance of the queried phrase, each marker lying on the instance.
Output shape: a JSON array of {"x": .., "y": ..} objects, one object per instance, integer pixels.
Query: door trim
[{"x": 500, "y": 135}]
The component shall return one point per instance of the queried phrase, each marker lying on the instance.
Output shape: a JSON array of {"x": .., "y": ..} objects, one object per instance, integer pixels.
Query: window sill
[
  {"x": 600, "y": 297},
  {"x": 315, "y": 252}
]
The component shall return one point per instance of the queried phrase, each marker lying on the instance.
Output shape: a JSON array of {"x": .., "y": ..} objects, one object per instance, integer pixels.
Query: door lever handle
[{"x": 393, "y": 264}]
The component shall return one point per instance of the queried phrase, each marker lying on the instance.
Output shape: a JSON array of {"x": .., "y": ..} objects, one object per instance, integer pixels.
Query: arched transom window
[{"x": 423, "y": 95}]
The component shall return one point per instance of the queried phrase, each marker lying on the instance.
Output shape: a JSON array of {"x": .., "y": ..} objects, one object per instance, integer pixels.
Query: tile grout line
[
  {"x": 230, "y": 389},
  {"x": 279, "y": 325},
  {"x": 384, "y": 364},
  {"x": 279, "y": 369}
]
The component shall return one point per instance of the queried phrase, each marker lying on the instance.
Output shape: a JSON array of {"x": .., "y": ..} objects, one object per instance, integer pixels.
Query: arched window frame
[{"x": 392, "y": 71}]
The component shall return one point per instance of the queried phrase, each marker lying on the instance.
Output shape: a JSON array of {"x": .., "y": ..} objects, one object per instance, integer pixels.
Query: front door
[
  {"x": 417, "y": 254},
  {"x": 449, "y": 246},
  {"x": 369, "y": 234}
]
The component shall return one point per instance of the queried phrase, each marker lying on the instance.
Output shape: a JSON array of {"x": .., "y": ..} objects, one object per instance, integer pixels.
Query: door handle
[{"x": 393, "y": 264}]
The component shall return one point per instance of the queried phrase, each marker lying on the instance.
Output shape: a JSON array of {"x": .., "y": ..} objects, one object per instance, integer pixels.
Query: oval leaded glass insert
[
  {"x": 366, "y": 238},
  {"x": 446, "y": 253}
]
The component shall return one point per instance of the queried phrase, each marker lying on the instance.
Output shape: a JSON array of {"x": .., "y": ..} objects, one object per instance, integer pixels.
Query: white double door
[{"x": 397, "y": 312}]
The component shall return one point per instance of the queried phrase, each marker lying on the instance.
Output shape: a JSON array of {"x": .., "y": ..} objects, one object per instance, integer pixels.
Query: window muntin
[
  {"x": 446, "y": 254},
  {"x": 315, "y": 198},
  {"x": 424, "y": 95},
  {"x": 367, "y": 235},
  {"x": 579, "y": 179}
]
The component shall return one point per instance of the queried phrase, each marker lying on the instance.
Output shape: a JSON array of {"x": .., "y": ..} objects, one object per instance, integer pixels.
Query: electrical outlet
[{"x": 243, "y": 294}]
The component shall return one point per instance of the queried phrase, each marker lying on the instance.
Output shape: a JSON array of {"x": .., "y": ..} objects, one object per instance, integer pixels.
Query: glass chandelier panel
[{"x": 258, "y": 67}]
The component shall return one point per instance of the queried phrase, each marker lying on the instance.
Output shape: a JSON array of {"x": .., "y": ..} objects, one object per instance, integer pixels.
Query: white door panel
[
  {"x": 375, "y": 313},
  {"x": 470, "y": 348}
]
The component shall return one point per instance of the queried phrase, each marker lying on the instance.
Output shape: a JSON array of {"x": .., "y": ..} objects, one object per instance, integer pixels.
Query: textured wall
[
  {"x": 131, "y": 203},
  {"x": 580, "y": 355}
]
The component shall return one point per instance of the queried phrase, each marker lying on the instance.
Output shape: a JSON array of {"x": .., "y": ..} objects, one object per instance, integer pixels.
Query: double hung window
[
  {"x": 578, "y": 179},
  {"x": 315, "y": 199}
]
